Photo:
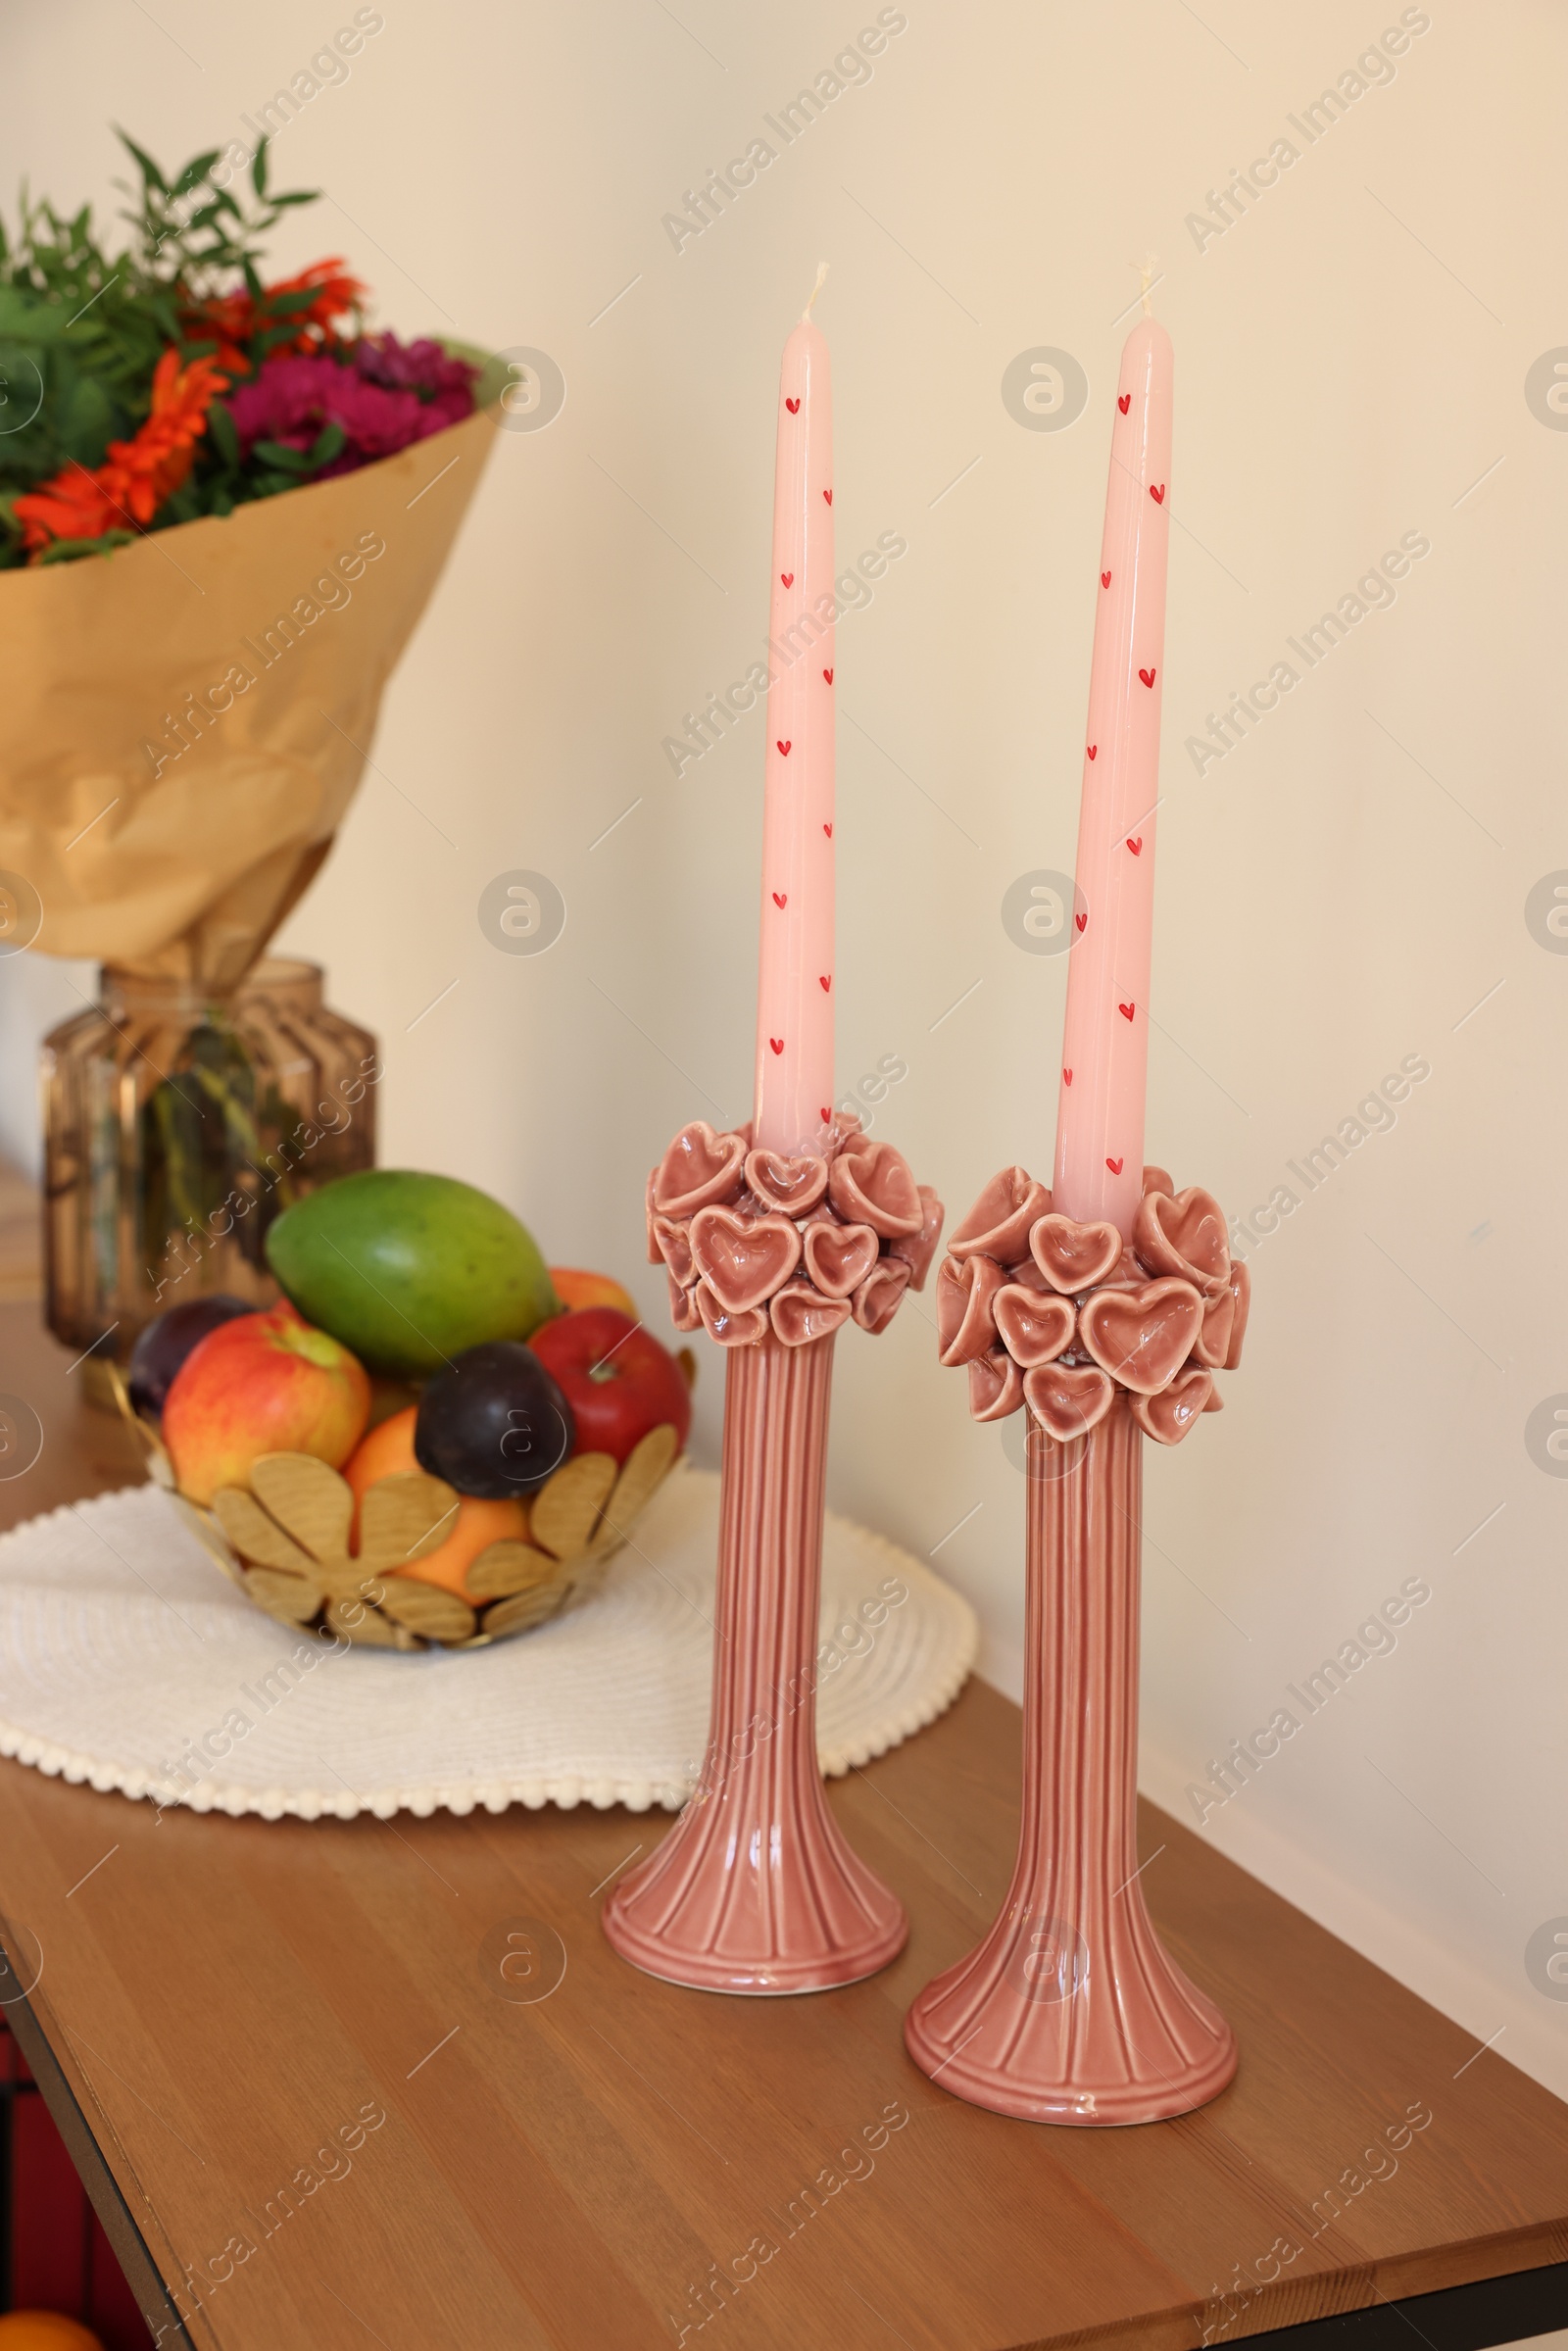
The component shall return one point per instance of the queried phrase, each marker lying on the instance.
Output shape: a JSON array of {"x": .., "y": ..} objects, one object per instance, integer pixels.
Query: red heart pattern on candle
[
  {"x": 799, "y": 1313},
  {"x": 1158, "y": 494},
  {"x": 1033, "y": 1329},
  {"x": 1066, "y": 1077},
  {"x": 781, "y": 898},
  {"x": 1115, "y": 1165},
  {"x": 1184, "y": 1235},
  {"x": 870, "y": 1183},
  {"x": 743, "y": 1259},
  {"x": 876, "y": 1302},
  {"x": 828, "y": 495},
  {"x": 1124, "y": 401},
  {"x": 996, "y": 1387},
  {"x": 1093, "y": 747},
  {"x": 1169, "y": 1416},
  {"x": 1068, "y": 1399},
  {"x": 1073, "y": 1256},
  {"x": 697, "y": 1167},
  {"x": 793, "y": 406},
  {"x": 786, "y": 747},
  {"x": 730, "y": 1330},
  {"x": 777, "y": 1043},
  {"x": 1080, "y": 920},
  {"x": 1126, "y": 1010},
  {"x": 1148, "y": 677},
  {"x": 829, "y": 674},
  {"x": 839, "y": 1257},
  {"x": 825, "y": 980},
  {"x": 828, "y": 829},
  {"x": 966, "y": 1322},
  {"x": 998, "y": 1225},
  {"x": 1137, "y": 847},
  {"x": 788, "y": 577},
  {"x": 1143, "y": 1337},
  {"x": 1104, "y": 579},
  {"x": 792, "y": 1185},
  {"x": 826, "y": 1116}
]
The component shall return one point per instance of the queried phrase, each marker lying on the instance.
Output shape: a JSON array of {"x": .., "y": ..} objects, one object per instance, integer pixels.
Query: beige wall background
[{"x": 1346, "y": 889}]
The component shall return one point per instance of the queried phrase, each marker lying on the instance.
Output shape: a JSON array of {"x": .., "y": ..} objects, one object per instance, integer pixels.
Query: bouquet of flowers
[{"x": 224, "y": 504}]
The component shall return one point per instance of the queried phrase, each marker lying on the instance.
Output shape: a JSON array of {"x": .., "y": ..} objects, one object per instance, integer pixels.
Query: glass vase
[{"x": 179, "y": 1123}]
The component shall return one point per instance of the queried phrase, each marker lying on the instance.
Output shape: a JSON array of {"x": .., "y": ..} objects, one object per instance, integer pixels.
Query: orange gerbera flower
[
  {"x": 234, "y": 317},
  {"x": 137, "y": 476}
]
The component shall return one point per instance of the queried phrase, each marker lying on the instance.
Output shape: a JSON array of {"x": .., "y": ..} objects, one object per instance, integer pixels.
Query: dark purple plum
[
  {"x": 493, "y": 1423},
  {"x": 166, "y": 1343}
]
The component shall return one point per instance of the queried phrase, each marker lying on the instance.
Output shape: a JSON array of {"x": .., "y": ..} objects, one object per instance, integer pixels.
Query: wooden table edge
[{"x": 99, "y": 2159}]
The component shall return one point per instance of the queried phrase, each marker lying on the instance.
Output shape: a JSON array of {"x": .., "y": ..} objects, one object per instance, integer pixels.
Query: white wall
[{"x": 1335, "y": 894}]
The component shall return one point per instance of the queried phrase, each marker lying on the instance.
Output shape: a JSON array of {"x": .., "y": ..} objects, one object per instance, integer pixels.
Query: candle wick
[
  {"x": 822, "y": 273},
  {"x": 1146, "y": 278}
]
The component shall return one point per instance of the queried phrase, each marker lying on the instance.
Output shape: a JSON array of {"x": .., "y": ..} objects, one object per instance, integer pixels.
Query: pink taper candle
[
  {"x": 1105, "y": 1058},
  {"x": 794, "y": 1099}
]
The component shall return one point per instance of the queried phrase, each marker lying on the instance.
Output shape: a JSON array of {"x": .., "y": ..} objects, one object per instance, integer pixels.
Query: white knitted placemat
[{"x": 128, "y": 1661}]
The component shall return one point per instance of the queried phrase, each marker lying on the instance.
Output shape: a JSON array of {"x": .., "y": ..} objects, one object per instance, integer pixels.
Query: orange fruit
[
  {"x": 388, "y": 1452},
  {"x": 44, "y": 2331},
  {"x": 574, "y": 1288}
]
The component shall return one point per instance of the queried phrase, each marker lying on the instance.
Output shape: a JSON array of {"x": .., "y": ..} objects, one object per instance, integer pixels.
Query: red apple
[
  {"x": 617, "y": 1379},
  {"x": 262, "y": 1384},
  {"x": 577, "y": 1289}
]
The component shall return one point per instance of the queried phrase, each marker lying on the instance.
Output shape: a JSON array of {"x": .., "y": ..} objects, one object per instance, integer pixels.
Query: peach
[
  {"x": 262, "y": 1384},
  {"x": 574, "y": 1288},
  {"x": 388, "y": 1452}
]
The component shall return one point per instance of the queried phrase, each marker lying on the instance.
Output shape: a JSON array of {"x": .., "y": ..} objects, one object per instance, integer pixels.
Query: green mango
[{"x": 408, "y": 1270}]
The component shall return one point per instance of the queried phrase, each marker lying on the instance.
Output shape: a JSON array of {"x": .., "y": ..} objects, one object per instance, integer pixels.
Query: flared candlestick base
[
  {"x": 755, "y": 1890},
  {"x": 1072, "y": 2010}
]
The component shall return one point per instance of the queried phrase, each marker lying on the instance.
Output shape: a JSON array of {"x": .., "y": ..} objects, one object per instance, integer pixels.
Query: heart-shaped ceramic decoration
[
  {"x": 998, "y": 1225},
  {"x": 966, "y": 1326},
  {"x": 792, "y": 1185},
  {"x": 683, "y": 1307},
  {"x": 872, "y": 1183},
  {"x": 839, "y": 1257},
  {"x": 1141, "y": 1336},
  {"x": 1169, "y": 1416},
  {"x": 730, "y": 1330},
  {"x": 1073, "y": 1256},
  {"x": 876, "y": 1302},
  {"x": 699, "y": 1167},
  {"x": 1184, "y": 1235},
  {"x": 1068, "y": 1399},
  {"x": 1033, "y": 1329},
  {"x": 743, "y": 1262},
  {"x": 1242, "y": 1292},
  {"x": 1213, "y": 1341},
  {"x": 675, "y": 1246},
  {"x": 799, "y": 1312},
  {"x": 918, "y": 1249},
  {"x": 996, "y": 1387}
]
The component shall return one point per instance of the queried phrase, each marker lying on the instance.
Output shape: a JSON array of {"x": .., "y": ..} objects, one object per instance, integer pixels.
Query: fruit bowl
[
  {"x": 443, "y": 1451},
  {"x": 288, "y": 1538}
]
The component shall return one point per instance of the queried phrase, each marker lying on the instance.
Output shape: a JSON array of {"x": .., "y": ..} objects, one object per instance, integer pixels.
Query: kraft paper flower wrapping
[{"x": 183, "y": 722}]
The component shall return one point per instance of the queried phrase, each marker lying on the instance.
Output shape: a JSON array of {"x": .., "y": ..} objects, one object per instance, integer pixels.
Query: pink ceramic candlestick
[
  {"x": 1070, "y": 2009},
  {"x": 794, "y": 1093},
  {"x": 1100, "y": 1121}
]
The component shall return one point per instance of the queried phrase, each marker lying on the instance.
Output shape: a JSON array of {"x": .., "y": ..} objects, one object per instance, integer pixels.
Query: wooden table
[{"x": 287, "y": 2063}]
